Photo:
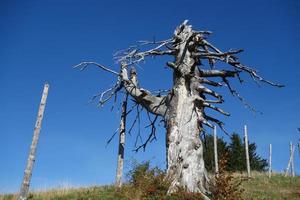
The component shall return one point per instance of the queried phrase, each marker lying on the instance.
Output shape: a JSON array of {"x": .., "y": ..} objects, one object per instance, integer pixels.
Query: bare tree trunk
[
  {"x": 185, "y": 150},
  {"x": 247, "y": 151},
  {"x": 122, "y": 130},
  {"x": 216, "y": 151},
  {"x": 28, "y": 171},
  {"x": 270, "y": 160}
]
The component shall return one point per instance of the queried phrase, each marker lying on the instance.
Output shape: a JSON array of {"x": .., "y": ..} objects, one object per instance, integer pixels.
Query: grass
[
  {"x": 277, "y": 187},
  {"x": 91, "y": 193},
  {"x": 259, "y": 187}
]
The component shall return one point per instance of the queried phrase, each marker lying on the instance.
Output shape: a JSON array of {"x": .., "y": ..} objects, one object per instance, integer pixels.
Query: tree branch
[
  {"x": 84, "y": 65},
  {"x": 217, "y": 73},
  {"x": 153, "y": 104}
]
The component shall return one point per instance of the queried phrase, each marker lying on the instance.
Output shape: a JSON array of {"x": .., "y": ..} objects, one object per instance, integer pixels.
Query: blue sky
[{"x": 42, "y": 40}]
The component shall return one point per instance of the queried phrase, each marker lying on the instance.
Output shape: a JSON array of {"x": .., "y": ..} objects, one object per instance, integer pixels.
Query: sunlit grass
[
  {"x": 259, "y": 187},
  {"x": 277, "y": 187}
]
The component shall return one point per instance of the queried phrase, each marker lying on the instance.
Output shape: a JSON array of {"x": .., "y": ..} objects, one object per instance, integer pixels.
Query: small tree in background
[
  {"x": 237, "y": 156},
  {"x": 208, "y": 152},
  {"x": 256, "y": 162}
]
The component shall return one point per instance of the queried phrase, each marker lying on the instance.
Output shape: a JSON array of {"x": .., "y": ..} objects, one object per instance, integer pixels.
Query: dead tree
[
  {"x": 183, "y": 107},
  {"x": 121, "y": 149},
  {"x": 31, "y": 158}
]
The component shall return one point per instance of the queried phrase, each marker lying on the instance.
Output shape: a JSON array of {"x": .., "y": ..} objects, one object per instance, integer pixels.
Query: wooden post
[
  {"x": 299, "y": 146},
  {"x": 292, "y": 161},
  {"x": 31, "y": 158},
  {"x": 247, "y": 151},
  {"x": 216, "y": 151},
  {"x": 289, "y": 163},
  {"x": 290, "y": 166},
  {"x": 270, "y": 160},
  {"x": 122, "y": 130}
]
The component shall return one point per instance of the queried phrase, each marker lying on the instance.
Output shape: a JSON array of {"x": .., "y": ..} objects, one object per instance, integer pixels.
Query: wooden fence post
[
  {"x": 299, "y": 147},
  {"x": 289, "y": 163},
  {"x": 216, "y": 151},
  {"x": 270, "y": 160},
  {"x": 290, "y": 166},
  {"x": 122, "y": 130},
  {"x": 292, "y": 162},
  {"x": 247, "y": 151},
  {"x": 31, "y": 158}
]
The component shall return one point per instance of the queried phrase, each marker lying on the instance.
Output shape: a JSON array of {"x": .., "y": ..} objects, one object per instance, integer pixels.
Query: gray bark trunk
[
  {"x": 122, "y": 130},
  {"x": 31, "y": 158},
  {"x": 184, "y": 148}
]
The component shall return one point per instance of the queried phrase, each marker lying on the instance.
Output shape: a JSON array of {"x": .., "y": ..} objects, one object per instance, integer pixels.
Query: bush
[
  {"x": 146, "y": 183},
  {"x": 225, "y": 187}
]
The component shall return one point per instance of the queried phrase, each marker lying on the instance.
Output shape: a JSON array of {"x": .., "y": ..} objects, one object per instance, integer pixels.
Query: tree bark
[
  {"x": 184, "y": 111},
  {"x": 184, "y": 148},
  {"x": 31, "y": 158},
  {"x": 122, "y": 130}
]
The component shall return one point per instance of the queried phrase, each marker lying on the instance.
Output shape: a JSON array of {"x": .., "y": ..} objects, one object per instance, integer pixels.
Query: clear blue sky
[{"x": 42, "y": 40}]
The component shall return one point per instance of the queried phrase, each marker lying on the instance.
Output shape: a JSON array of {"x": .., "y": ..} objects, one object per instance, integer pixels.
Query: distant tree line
[{"x": 234, "y": 151}]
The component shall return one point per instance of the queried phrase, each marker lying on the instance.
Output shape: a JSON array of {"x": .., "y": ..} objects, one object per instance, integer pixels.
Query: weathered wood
[
  {"x": 289, "y": 163},
  {"x": 299, "y": 147},
  {"x": 290, "y": 166},
  {"x": 31, "y": 158},
  {"x": 122, "y": 131},
  {"x": 247, "y": 151},
  {"x": 216, "y": 151},
  {"x": 292, "y": 161},
  {"x": 270, "y": 161}
]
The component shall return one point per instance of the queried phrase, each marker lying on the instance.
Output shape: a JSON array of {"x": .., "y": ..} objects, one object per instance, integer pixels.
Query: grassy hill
[
  {"x": 260, "y": 187},
  {"x": 278, "y": 187}
]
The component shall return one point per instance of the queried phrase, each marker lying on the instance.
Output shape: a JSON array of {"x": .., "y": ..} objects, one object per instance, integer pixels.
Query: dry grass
[{"x": 259, "y": 187}]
